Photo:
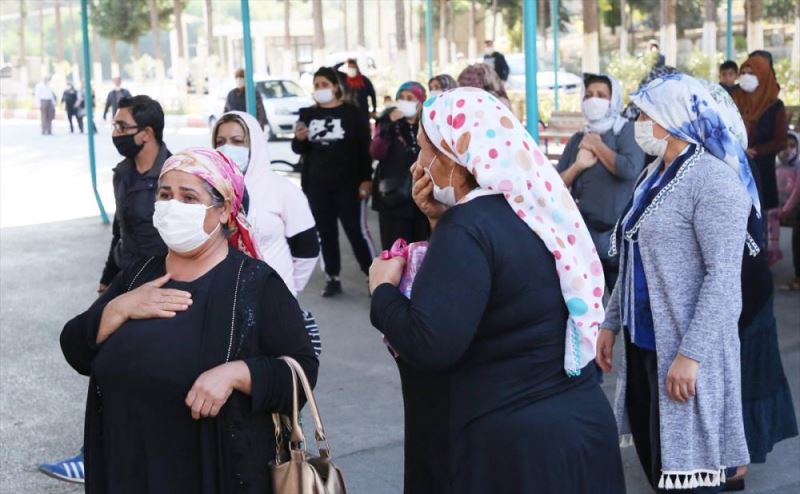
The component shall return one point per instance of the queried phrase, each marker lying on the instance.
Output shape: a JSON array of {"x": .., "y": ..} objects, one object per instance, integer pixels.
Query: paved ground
[{"x": 48, "y": 273}]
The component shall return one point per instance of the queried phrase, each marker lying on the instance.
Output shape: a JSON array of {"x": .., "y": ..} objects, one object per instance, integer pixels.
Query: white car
[
  {"x": 282, "y": 98},
  {"x": 545, "y": 79}
]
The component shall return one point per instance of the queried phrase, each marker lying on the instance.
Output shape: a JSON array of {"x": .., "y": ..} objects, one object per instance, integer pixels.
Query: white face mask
[
  {"x": 239, "y": 82},
  {"x": 595, "y": 108},
  {"x": 323, "y": 96},
  {"x": 181, "y": 225},
  {"x": 445, "y": 195},
  {"x": 435, "y": 92},
  {"x": 352, "y": 71},
  {"x": 407, "y": 108},
  {"x": 650, "y": 144},
  {"x": 748, "y": 82},
  {"x": 787, "y": 157},
  {"x": 238, "y": 154}
]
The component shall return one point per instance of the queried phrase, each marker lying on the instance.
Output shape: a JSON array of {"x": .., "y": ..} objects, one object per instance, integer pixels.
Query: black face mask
[{"x": 126, "y": 146}]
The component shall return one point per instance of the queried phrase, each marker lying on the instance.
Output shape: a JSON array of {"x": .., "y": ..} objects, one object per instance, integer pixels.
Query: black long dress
[
  {"x": 139, "y": 435},
  {"x": 482, "y": 339}
]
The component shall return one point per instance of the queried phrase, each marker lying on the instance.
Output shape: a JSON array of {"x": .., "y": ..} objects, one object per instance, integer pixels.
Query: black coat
[
  {"x": 268, "y": 324},
  {"x": 395, "y": 147},
  {"x": 133, "y": 233}
]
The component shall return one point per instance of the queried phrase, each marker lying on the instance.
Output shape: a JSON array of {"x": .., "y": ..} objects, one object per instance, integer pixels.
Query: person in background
[
  {"x": 359, "y": 87},
  {"x": 182, "y": 351},
  {"x": 138, "y": 137},
  {"x": 678, "y": 299},
  {"x": 787, "y": 172},
  {"x": 81, "y": 111},
  {"x": 655, "y": 49},
  {"x": 484, "y": 77},
  {"x": 728, "y": 73},
  {"x": 495, "y": 60},
  {"x": 387, "y": 101},
  {"x": 395, "y": 147},
  {"x": 764, "y": 116},
  {"x": 278, "y": 211},
  {"x": 47, "y": 100},
  {"x": 332, "y": 137},
  {"x": 495, "y": 344},
  {"x": 114, "y": 97},
  {"x": 70, "y": 100},
  {"x": 237, "y": 99},
  {"x": 441, "y": 83},
  {"x": 601, "y": 163}
]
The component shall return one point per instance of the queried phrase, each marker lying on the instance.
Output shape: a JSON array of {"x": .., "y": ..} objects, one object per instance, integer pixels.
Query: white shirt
[
  {"x": 278, "y": 210},
  {"x": 43, "y": 92}
]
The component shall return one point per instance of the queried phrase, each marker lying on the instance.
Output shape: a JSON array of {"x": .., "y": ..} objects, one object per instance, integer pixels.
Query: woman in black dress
[
  {"x": 181, "y": 350},
  {"x": 501, "y": 324}
]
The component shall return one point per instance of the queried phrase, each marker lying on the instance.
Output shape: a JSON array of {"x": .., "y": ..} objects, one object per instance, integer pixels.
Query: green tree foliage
[
  {"x": 779, "y": 9},
  {"x": 127, "y": 20}
]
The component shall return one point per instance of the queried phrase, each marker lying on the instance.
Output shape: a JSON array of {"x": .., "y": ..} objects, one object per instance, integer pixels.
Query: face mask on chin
[
  {"x": 445, "y": 195},
  {"x": 650, "y": 144},
  {"x": 180, "y": 225}
]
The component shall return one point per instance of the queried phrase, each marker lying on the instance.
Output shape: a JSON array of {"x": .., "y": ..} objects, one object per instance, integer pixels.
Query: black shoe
[{"x": 333, "y": 287}]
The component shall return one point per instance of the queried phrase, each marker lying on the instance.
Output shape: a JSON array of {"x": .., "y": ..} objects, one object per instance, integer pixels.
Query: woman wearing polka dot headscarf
[{"x": 499, "y": 333}]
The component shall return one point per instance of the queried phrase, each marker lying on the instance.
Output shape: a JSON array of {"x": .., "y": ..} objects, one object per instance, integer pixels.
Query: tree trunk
[
  {"x": 319, "y": 33},
  {"x": 542, "y": 18},
  {"x": 623, "y": 24},
  {"x": 210, "y": 27},
  {"x": 380, "y": 26},
  {"x": 755, "y": 28},
  {"x": 136, "y": 50},
  {"x": 177, "y": 7},
  {"x": 288, "y": 46},
  {"x": 346, "y": 36},
  {"x": 156, "y": 30},
  {"x": 400, "y": 30},
  {"x": 591, "y": 39},
  {"x": 97, "y": 61},
  {"x": 451, "y": 26},
  {"x": 59, "y": 34},
  {"x": 494, "y": 19},
  {"x": 362, "y": 43},
  {"x": 41, "y": 39},
  {"x": 112, "y": 50},
  {"x": 710, "y": 27},
  {"x": 669, "y": 31},
  {"x": 442, "y": 34},
  {"x": 472, "y": 44},
  {"x": 73, "y": 48}
]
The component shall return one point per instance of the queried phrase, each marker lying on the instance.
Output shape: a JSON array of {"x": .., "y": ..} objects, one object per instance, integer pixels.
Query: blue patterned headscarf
[{"x": 700, "y": 114}]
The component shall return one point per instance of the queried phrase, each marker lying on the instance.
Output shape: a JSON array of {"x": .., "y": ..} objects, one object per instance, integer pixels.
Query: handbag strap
[{"x": 298, "y": 374}]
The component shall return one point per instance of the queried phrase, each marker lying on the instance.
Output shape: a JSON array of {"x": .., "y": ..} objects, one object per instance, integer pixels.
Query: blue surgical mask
[{"x": 238, "y": 154}]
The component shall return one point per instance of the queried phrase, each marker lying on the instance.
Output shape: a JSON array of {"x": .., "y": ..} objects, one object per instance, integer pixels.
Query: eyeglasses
[{"x": 123, "y": 127}]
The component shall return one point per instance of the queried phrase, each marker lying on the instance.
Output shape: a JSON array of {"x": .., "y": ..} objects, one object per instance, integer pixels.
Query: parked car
[
  {"x": 283, "y": 99},
  {"x": 545, "y": 76}
]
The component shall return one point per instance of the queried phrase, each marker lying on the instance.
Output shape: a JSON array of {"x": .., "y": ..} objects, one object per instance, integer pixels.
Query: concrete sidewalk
[{"x": 49, "y": 272}]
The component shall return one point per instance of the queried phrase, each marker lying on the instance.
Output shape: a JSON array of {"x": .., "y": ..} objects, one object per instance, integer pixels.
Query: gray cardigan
[{"x": 691, "y": 247}]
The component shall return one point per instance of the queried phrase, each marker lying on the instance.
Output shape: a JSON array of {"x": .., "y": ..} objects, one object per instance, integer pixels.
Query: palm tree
[
  {"x": 755, "y": 29},
  {"x": 710, "y": 27},
  {"x": 591, "y": 37}
]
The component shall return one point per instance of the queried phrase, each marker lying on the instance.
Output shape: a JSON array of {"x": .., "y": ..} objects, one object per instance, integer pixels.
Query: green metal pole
[
  {"x": 89, "y": 105},
  {"x": 250, "y": 89},
  {"x": 729, "y": 32},
  {"x": 531, "y": 90},
  {"x": 554, "y": 24},
  {"x": 429, "y": 36}
]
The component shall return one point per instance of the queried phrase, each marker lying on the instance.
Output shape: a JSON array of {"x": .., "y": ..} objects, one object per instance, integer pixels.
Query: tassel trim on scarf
[
  {"x": 626, "y": 440},
  {"x": 691, "y": 479}
]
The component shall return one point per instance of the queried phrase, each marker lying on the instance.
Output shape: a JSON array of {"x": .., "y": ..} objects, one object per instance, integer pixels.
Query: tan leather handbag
[{"x": 295, "y": 470}]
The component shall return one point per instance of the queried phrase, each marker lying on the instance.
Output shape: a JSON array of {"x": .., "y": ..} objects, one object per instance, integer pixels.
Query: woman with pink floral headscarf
[
  {"x": 182, "y": 349},
  {"x": 496, "y": 342}
]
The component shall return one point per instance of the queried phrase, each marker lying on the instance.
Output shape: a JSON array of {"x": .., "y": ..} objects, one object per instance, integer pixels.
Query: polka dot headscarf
[{"x": 478, "y": 132}]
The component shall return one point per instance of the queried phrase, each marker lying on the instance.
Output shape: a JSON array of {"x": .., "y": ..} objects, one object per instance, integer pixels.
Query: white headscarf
[{"x": 613, "y": 119}]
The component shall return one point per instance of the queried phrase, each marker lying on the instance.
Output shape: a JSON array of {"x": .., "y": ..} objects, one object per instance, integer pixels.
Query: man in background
[
  {"x": 47, "y": 104},
  {"x": 114, "y": 97}
]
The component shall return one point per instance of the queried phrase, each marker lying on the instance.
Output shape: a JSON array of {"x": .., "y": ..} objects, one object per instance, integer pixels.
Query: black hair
[
  {"x": 729, "y": 65},
  {"x": 332, "y": 77},
  {"x": 592, "y": 78},
  {"x": 146, "y": 112},
  {"x": 763, "y": 54},
  {"x": 353, "y": 61}
]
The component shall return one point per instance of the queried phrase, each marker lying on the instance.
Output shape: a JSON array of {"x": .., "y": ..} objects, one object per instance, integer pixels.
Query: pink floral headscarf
[
  {"x": 226, "y": 178},
  {"x": 480, "y": 133}
]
